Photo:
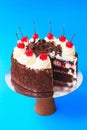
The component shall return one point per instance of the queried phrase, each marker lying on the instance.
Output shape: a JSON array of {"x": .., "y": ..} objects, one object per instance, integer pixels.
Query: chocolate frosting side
[{"x": 34, "y": 80}]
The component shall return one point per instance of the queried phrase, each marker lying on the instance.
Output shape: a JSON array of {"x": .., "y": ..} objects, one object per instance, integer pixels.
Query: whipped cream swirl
[
  {"x": 68, "y": 51},
  {"x": 60, "y": 42},
  {"x": 33, "y": 40},
  {"x": 18, "y": 52},
  {"x": 26, "y": 43},
  {"x": 51, "y": 40},
  {"x": 42, "y": 64},
  {"x": 27, "y": 60}
]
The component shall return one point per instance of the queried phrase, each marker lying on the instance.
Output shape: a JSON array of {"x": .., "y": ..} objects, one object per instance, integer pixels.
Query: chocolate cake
[{"x": 41, "y": 66}]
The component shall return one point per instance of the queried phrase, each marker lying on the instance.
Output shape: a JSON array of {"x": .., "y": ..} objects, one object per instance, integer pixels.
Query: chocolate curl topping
[{"x": 47, "y": 49}]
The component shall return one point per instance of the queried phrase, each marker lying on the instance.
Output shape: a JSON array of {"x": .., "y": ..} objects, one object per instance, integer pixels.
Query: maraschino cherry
[
  {"x": 50, "y": 36},
  {"x": 62, "y": 38},
  {"x": 24, "y": 38},
  {"x": 69, "y": 44},
  {"x": 21, "y": 45},
  {"x": 43, "y": 56},
  {"x": 35, "y": 35},
  {"x": 29, "y": 52}
]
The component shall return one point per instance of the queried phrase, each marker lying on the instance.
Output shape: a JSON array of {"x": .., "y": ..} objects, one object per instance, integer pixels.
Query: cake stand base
[{"x": 45, "y": 106}]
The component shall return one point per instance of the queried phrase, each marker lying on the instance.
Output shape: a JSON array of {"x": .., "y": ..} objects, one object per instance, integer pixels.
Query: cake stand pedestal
[{"x": 46, "y": 106}]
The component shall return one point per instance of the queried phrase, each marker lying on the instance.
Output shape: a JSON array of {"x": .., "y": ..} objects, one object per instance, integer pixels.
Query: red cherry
[
  {"x": 62, "y": 38},
  {"x": 69, "y": 44},
  {"x": 29, "y": 52},
  {"x": 58, "y": 63},
  {"x": 24, "y": 39},
  {"x": 72, "y": 64},
  {"x": 50, "y": 36},
  {"x": 35, "y": 36},
  {"x": 63, "y": 64},
  {"x": 21, "y": 45},
  {"x": 43, "y": 56}
]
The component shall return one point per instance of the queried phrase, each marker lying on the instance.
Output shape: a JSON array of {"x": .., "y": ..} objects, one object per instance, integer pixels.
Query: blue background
[{"x": 17, "y": 111}]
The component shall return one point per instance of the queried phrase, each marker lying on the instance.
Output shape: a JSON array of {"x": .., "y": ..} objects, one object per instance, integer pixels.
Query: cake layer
[
  {"x": 64, "y": 72},
  {"x": 60, "y": 69},
  {"x": 62, "y": 77},
  {"x": 58, "y": 83}
]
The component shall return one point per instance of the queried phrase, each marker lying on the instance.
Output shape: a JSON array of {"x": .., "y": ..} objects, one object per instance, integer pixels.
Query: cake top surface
[{"x": 36, "y": 52}]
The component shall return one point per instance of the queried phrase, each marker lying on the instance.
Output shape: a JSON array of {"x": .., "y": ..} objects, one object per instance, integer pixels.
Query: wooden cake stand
[{"x": 46, "y": 106}]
